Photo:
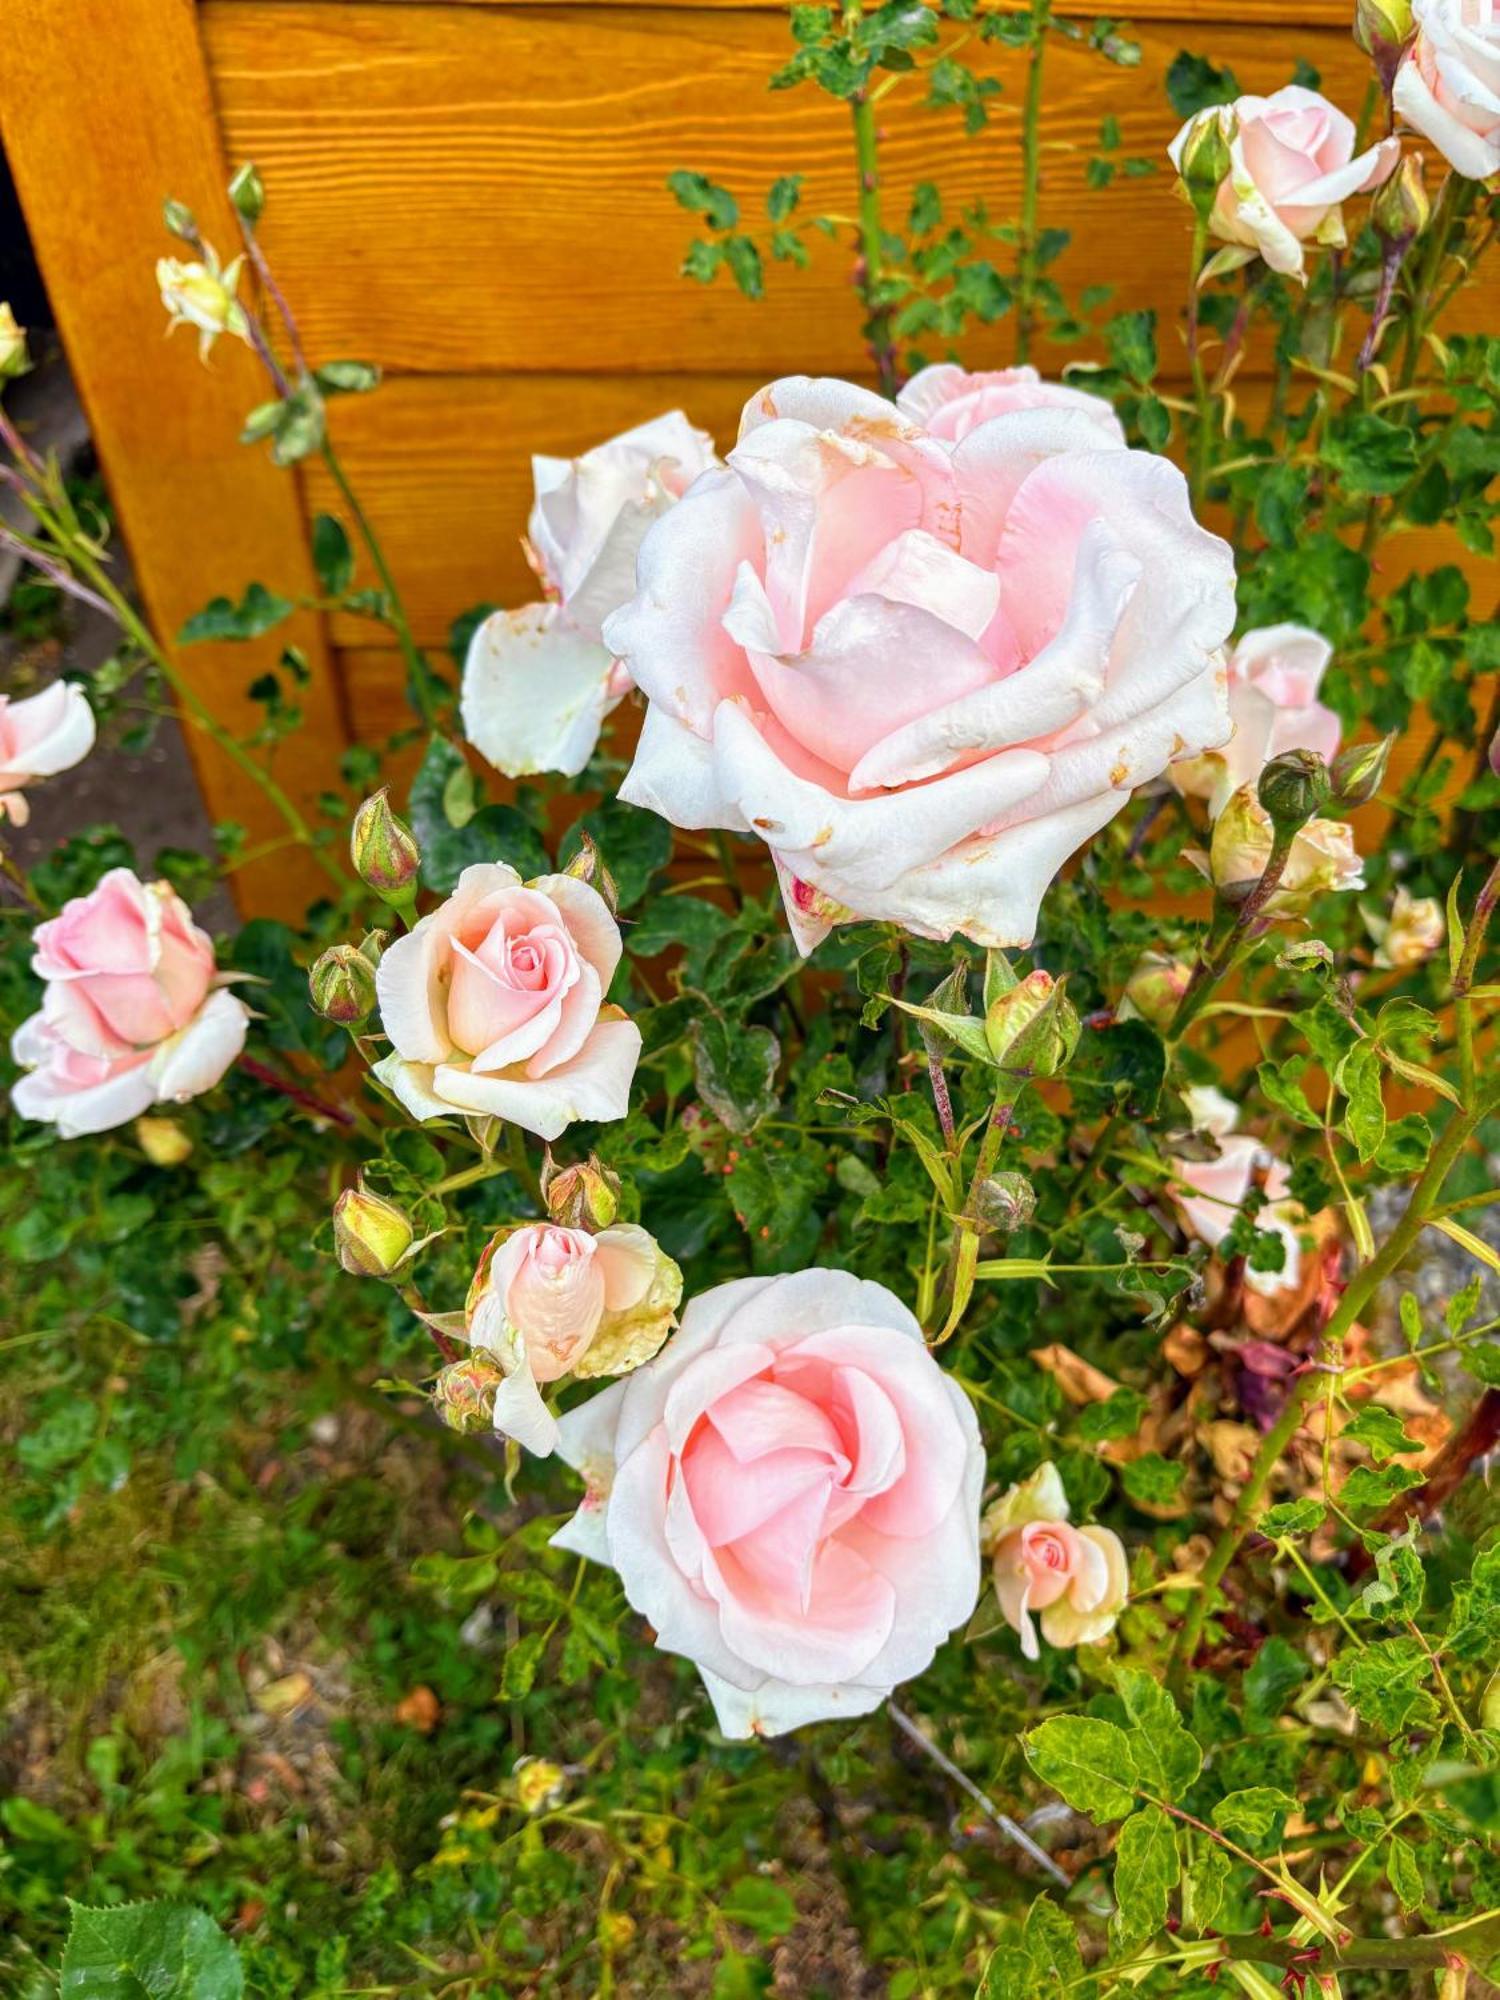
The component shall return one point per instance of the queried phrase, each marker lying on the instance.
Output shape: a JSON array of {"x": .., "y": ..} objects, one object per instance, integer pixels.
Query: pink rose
[
  {"x": 548, "y": 1301},
  {"x": 923, "y": 672},
  {"x": 1273, "y": 689},
  {"x": 494, "y": 1005},
  {"x": 1077, "y": 1578},
  {"x": 949, "y": 402},
  {"x": 1210, "y": 1193},
  {"x": 47, "y": 733},
  {"x": 790, "y": 1493},
  {"x": 129, "y": 1017},
  {"x": 538, "y": 682},
  {"x": 1448, "y": 85},
  {"x": 1291, "y": 164}
]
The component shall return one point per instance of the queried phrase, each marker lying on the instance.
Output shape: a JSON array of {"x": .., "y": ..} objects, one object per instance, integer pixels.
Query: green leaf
[
  {"x": 1381, "y": 1432},
  {"x": 148, "y": 1951},
  {"x": 333, "y": 558},
  {"x": 761, "y": 1906},
  {"x": 518, "y": 1674},
  {"x": 782, "y": 196},
  {"x": 1399, "y": 1584},
  {"x": 493, "y": 833},
  {"x": 1254, "y": 1816},
  {"x": 1193, "y": 83},
  {"x": 1360, "y": 1078},
  {"x": 1384, "y": 1682},
  {"x": 1153, "y": 1481},
  {"x": 257, "y": 611},
  {"x": 1474, "y": 1626},
  {"x": 1370, "y": 454},
  {"x": 1367, "y": 1489},
  {"x": 1271, "y": 1676},
  {"x": 1167, "y": 1760},
  {"x": 1118, "y": 1416},
  {"x": 735, "y": 1070},
  {"x": 347, "y": 378},
  {"x": 1204, "y": 1886},
  {"x": 704, "y": 197},
  {"x": 1291, "y": 1517},
  {"x": 1146, "y": 1872},
  {"x": 1050, "y": 1940},
  {"x": 1087, "y": 1761},
  {"x": 1404, "y": 1873}
]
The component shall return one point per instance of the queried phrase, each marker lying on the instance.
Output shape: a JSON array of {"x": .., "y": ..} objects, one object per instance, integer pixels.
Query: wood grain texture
[
  {"x": 105, "y": 109},
  {"x": 1190, "y": 14},
  {"x": 481, "y": 189}
]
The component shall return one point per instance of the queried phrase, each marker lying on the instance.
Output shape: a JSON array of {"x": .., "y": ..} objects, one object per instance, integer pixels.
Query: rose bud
[
  {"x": 1401, "y": 208},
  {"x": 1294, "y": 788},
  {"x": 163, "y": 1141},
  {"x": 371, "y": 1235},
  {"x": 1154, "y": 990},
  {"x": 248, "y": 193},
  {"x": 1359, "y": 772},
  {"x": 586, "y": 1197},
  {"x": 384, "y": 850},
  {"x": 14, "y": 359},
  {"x": 1077, "y": 1578},
  {"x": 588, "y": 866},
  {"x": 1032, "y": 1029},
  {"x": 1004, "y": 1202},
  {"x": 1203, "y": 156},
  {"x": 464, "y": 1393},
  {"x": 1380, "y": 23},
  {"x": 1410, "y": 934},
  {"x": 342, "y": 985}
]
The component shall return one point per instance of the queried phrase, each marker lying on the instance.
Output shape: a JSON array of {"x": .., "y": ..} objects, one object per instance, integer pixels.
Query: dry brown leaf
[{"x": 1078, "y": 1379}]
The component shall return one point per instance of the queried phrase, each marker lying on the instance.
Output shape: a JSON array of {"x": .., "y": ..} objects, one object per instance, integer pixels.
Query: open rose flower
[
  {"x": 948, "y": 401},
  {"x": 1273, "y": 703},
  {"x": 40, "y": 736},
  {"x": 1410, "y": 933},
  {"x": 1292, "y": 163},
  {"x": 539, "y": 682},
  {"x": 495, "y": 1005},
  {"x": 1076, "y": 1578},
  {"x": 1211, "y": 1192},
  {"x": 130, "y": 1016},
  {"x": 548, "y": 1302},
  {"x": 790, "y": 1493},
  {"x": 1448, "y": 85},
  {"x": 1323, "y": 860},
  {"x": 922, "y": 671}
]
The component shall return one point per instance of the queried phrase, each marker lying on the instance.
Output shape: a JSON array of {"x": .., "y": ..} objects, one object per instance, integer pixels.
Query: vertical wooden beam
[{"x": 105, "y": 108}]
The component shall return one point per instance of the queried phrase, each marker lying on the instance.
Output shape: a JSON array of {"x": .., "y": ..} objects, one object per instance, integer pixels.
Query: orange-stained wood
[{"x": 105, "y": 109}]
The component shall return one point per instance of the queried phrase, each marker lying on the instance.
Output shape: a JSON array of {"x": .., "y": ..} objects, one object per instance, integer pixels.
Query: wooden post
[{"x": 105, "y": 109}]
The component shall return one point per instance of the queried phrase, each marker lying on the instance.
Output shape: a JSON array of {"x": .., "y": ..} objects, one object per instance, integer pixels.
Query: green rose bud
[
  {"x": 464, "y": 1393},
  {"x": 1382, "y": 24},
  {"x": 588, "y": 866},
  {"x": 247, "y": 192},
  {"x": 1154, "y": 990},
  {"x": 1004, "y": 1202},
  {"x": 384, "y": 850},
  {"x": 1033, "y": 1029},
  {"x": 1294, "y": 788},
  {"x": 180, "y": 220},
  {"x": 1359, "y": 772},
  {"x": 1204, "y": 159},
  {"x": 371, "y": 1236},
  {"x": 1402, "y": 205},
  {"x": 586, "y": 1197},
  {"x": 342, "y": 985}
]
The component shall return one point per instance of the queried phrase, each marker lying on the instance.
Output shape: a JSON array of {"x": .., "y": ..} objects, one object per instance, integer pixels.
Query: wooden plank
[
  {"x": 481, "y": 189},
  {"x": 1189, "y": 14},
  {"x": 105, "y": 109}
]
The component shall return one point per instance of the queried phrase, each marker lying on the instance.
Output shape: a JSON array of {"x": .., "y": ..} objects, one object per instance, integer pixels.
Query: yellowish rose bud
[
  {"x": 1204, "y": 159},
  {"x": 588, "y": 866},
  {"x": 163, "y": 1141},
  {"x": 1382, "y": 24},
  {"x": 538, "y": 1782},
  {"x": 202, "y": 295},
  {"x": 1032, "y": 1029},
  {"x": 384, "y": 850},
  {"x": 341, "y": 984},
  {"x": 1402, "y": 205},
  {"x": 1154, "y": 990},
  {"x": 464, "y": 1393},
  {"x": 371, "y": 1235},
  {"x": 581, "y": 1197},
  {"x": 1359, "y": 772},
  {"x": 14, "y": 360}
]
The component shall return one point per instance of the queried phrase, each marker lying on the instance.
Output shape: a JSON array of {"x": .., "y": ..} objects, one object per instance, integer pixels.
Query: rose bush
[{"x": 842, "y": 658}]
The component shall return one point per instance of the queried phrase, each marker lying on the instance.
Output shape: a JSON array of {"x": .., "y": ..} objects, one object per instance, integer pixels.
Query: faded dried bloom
[
  {"x": 202, "y": 295},
  {"x": 1410, "y": 933}
]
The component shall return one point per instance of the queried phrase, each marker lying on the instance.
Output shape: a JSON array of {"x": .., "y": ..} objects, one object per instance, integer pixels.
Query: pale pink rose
[
  {"x": 130, "y": 1016},
  {"x": 923, "y": 672},
  {"x": 538, "y": 682},
  {"x": 1274, "y": 675},
  {"x": 1410, "y": 933},
  {"x": 541, "y": 1298},
  {"x": 1291, "y": 165},
  {"x": 494, "y": 1005},
  {"x": 1211, "y": 1192},
  {"x": 1448, "y": 85},
  {"x": 40, "y": 736},
  {"x": 1077, "y": 1578},
  {"x": 790, "y": 1493},
  {"x": 949, "y": 402}
]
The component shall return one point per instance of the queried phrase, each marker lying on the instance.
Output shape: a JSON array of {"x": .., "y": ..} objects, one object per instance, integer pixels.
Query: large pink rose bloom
[
  {"x": 949, "y": 402},
  {"x": 539, "y": 682},
  {"x": 130, "y": 1016},
  {"x": 1448, "y": 85},
  {"x": 47, "y": 733},
  {"x": 1292, "y": 163},
  {"x": 494, "y": 1005},
  {"x": 1274, "y": 674},
  {"x": 922, "y": 671},
  {"x": 790, "y": 1493}
]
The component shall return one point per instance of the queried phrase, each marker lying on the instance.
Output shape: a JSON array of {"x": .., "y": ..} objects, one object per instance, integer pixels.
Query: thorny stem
[
  {"x": 987, "y": 1806},
  {"x": 1202, "y": 401},
  {"x": 1215, "y": 962},
  {"x": 1031, "y": 187},
  {"x": 869, "y": 270}
]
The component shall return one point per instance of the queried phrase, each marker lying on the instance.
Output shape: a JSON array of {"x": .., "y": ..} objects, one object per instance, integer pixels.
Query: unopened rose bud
[
  {"x": 14, "y": 360},
  {"x": 588, "y": 866},
  {"x": 464, "y": 1393},
  {"x": 1294, "y": 788},
  {"x": 202, "y": 295},
  {"x": 1358, "y": 772},
  {"x": 384, "y": 850},
  {"x": 180, "y": 220},
  {"x": 1382, "y": 24},
  {"x": 1402, "y": 205},
  {"x": 1004, "y": 1203},
  {"x": 1154, "y": 990},
  {"x": 163, "y": 1141},
  {"x": 581, "y": 1197},
  {"x": 538, "y": 1783},
  {"x": 371, "y": 1236},
  {"x": 342, "y": 985},
  {"x": 1033, "y": 1029},
  {"x": 1203, "y": 159},
  {"x": 247, "y": 192}
]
